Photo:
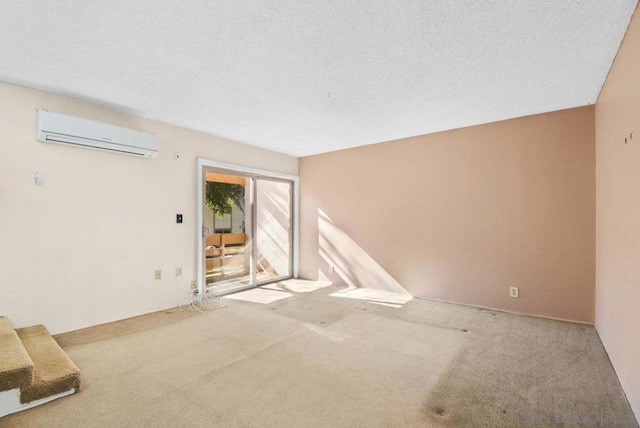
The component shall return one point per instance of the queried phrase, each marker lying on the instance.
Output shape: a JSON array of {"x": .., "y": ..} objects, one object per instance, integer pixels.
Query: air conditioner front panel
[{"x": 63, "y": 129}]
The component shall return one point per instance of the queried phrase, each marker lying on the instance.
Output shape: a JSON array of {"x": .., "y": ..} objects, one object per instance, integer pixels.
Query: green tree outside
[{"x": 221, "y": 197}]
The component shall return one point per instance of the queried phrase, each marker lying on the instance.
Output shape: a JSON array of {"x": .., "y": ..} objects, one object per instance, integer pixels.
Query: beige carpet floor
[{"x": 316, "y": 360}]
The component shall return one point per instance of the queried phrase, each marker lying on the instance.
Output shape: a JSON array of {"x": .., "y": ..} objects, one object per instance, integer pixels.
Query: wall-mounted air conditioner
[{"x": 63, "y": 129}]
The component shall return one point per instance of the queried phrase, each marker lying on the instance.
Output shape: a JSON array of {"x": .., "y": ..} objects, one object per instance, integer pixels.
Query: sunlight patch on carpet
[
  {"x": 386, "y": 298},
  {"x": 297, "y": 285},
  {"x": 259, "y": 295}
]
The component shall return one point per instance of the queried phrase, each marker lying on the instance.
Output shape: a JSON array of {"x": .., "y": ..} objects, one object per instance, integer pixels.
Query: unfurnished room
[{"x": 320, "y": 214}]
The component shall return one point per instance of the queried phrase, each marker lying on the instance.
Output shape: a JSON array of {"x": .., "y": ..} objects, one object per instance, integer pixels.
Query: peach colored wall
[
  {"x": 618, "y": 214},
  {"x": 82, "y": 248},
  {"x": 462, "y": 215}
]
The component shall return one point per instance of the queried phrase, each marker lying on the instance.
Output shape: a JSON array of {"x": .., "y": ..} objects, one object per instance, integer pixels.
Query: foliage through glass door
[{"x": 226, "y": 243}]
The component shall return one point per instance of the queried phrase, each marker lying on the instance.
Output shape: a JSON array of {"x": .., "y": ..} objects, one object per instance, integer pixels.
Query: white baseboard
[{"x": 10, "y": 401}]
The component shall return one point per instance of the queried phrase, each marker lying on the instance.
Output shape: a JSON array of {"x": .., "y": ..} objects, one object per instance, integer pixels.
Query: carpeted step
[
  {"x": 16, "y": 366},
  {"x": 54, "y": 372}
]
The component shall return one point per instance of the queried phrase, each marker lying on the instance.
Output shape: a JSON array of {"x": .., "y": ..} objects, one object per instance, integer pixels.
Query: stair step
[
  {"x": 16, "y": 366},
  {"x": 54, "y": 372}
]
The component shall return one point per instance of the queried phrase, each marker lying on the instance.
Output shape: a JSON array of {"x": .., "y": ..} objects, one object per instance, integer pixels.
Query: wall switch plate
[
  {"x": 332, "y": 268},
  {"x": 178, "y": 218},
  {"x": 193, "y": 285},
  {"x": 179, "y": 271},
  {"x": 513, "y": 292},
  {"x": 158, "y": 274}
]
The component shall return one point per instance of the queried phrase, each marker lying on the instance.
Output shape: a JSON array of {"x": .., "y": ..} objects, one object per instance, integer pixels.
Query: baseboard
[
  {"x": 488, "y": 308},
  {"x": 10, "y": 401}
]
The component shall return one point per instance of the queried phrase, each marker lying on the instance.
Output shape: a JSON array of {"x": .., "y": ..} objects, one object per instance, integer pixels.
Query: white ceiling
[{"x": 306, "y": 77}]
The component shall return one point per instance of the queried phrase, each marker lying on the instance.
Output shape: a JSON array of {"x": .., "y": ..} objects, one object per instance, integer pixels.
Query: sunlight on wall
[{"x": 357, "y": 268}]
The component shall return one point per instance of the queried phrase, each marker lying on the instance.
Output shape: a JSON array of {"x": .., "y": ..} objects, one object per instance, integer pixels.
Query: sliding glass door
[
  {"x": 247, "y": 229},
  {"x": 227, "y": 246}
]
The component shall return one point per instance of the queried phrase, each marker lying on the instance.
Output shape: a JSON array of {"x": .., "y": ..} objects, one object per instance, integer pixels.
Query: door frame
[{"x": 201, "y": 165}]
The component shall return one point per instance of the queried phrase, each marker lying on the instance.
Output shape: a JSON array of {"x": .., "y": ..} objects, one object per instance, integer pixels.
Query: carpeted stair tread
[
  {"x": 16, "y": 366},
  {"x": 54, "y": 372}
]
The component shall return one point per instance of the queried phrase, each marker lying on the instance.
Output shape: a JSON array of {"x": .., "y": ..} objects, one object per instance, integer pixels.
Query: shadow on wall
[{"x": 356, "y": 268}]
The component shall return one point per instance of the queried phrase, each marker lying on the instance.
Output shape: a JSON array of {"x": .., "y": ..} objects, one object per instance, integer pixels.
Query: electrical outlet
[
  {"x": 158, "y": 274},
  {"x": 179, "y": 271},
  {"x": 193, "y": 285},
  {"x": 513, "y": 292}
]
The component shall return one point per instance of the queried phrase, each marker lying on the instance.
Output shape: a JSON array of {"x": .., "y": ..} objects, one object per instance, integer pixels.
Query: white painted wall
[{"x": 81, "y": 249}]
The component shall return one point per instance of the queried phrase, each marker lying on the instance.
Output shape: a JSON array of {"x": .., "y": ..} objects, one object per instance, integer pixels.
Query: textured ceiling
[{"x": 306, "y": 77}]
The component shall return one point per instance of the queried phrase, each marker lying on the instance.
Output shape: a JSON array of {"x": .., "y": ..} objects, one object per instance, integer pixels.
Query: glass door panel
[
  {"x": 273, "y": 229},
  {"x": 227, "y": 229}
]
